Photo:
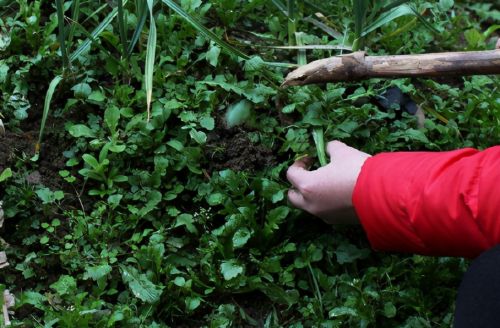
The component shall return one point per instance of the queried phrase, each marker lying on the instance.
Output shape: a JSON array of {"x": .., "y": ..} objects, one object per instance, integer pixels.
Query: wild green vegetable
[{"x": 183, "y": 220}]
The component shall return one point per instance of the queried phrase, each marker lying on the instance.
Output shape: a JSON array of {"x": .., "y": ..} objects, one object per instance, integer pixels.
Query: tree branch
[{"x": 357, "y": 66}]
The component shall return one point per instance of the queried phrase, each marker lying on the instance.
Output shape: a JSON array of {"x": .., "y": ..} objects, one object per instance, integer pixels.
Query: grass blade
[
  {"x": 204, "y": 31},
  {"x": 389, "y": 16},
  {"x": 122, "y": 26},
  {"x": 310, "y": 47},
  {"x": 95, "y": 33},
  {"x": 325, "y": 28},
  {"x": 62, "y": 32},
  {"x": 142, "y": 14},
  {"x": 292, "y": 22},
  {"x": 75, "y": 14},
  {"x": 360, "y": 8},
  {"x": 319, "y": 141},
  {"x": 281, "y": 6},
  {"x": 394, "y": 4},
  {"x": 301, "y": 55},
  {"x": 46, "y": 108},
  {"x": 150, "y": 58}
]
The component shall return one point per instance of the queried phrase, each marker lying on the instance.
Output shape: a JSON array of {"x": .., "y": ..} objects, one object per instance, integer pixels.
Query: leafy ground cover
[{"x": 112, "y": 219}]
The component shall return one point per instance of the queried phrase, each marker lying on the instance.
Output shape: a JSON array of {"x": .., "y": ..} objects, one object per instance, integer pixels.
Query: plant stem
[
  {"x": 123, "y": 28},
  {"x": 61, "y": 35}
]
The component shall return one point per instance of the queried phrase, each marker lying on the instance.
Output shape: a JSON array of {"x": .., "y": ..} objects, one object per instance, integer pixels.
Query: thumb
[{"x": 335, "y": 149}]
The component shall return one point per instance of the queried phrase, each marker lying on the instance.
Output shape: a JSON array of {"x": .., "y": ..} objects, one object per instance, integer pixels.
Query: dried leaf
[
  {"x": 1, "y": 214},
  {"x": 8, "y": 301},
  {"x": 3, "y": 260}
]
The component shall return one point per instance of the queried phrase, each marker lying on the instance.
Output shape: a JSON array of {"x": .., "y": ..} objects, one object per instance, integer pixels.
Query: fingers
[
  {"x": 296, "y": 199},
  {"x": 297, "y": 173},
  {"x": 334, "y": 148}
]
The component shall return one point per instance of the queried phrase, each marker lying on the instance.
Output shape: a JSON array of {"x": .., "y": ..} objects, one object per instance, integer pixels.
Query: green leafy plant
[{"x": 183, "y": 220}]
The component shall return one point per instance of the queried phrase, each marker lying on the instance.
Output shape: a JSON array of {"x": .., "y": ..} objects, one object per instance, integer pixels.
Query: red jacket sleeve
[{"x": 431, "y": 203}]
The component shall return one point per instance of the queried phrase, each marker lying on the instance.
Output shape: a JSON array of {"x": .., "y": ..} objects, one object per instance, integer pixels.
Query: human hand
[{"x": 327, "y": 191}]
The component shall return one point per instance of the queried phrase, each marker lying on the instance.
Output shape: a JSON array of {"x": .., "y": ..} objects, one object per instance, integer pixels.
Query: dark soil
[
  {"x": 231, "y": 149},
  {"x": 16, "y": 147}
]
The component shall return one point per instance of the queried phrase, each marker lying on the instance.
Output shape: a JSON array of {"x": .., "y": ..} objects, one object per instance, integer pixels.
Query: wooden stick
[{"x": 357, "y": 66}]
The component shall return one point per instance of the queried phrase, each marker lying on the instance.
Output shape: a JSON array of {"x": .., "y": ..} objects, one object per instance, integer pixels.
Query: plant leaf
[
  {"x": 150, "y": 59},
  {"x": 204, "y": 31},
  {"x": 46, "y": 108},
  {"x": 95, "y": 33},
  {"x": 140, "y": 285},
  {"x": 389, "y": 16}
]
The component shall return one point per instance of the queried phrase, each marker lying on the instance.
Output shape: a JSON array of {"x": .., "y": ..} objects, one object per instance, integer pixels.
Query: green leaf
[
  {"x": 176, "y": 144},
  {"x": 212, "y": 55},
  {"x": 82, "y": 90},
  {"x": 207, "y": 122},
  {"x": 192, "y": 303},
  {"x": 80, "y": 130},
  {"x": 187, "y": 221},
  {"x": 203, "y": 30},
  {"x": 46, "y": 108},
  {"x": 446, "y": 5},
  {"x": 6, "y": 174},
  {"x": 97, "y": 272},
  {"x": 238, "y": 113},
  {"x": 198, "y": 136},
  {"x": 150, "y": 59},
  {"x": 241, "y": 237},
  {"x": 279, "y": 295},
  {"x": 417, "y": 135},
  {"x": 342, "y": 311},
  {"x": 85, "y": 45},
  {"x": 140, "y": 285},
  {"x": 230, "y": 269},
  {"x": 91, "y": 160},
  {"x": 274, "y": 218},
  {"x": 389, "y": 16},
  {"x": 348, "y": 253},
  {"x": 319, "y": 141},
  {"x": 111, "y": 118},
  {"x": 65, "y": 285},
  {"x": 389, "y": 310},
  {"x": 34, "y": 298}
]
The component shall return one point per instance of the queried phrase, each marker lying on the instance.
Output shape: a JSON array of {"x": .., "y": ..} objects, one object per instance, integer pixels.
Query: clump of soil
[
  {"x": 231, "y": 149},
  {"x": 21, "y": 146}
]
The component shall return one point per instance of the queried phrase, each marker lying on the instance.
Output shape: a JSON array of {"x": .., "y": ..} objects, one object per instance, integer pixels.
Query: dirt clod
[{"x": 231, "y": 149}]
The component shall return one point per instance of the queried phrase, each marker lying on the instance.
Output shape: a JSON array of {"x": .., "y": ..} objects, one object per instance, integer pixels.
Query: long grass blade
[
  {"x": 325, "y": 28},
  {"x": 423, "y": 20},
  {"x": 389, "y": 16},
  {"x": 93, "y": 40},
  {"x": 394, "y": 4},
  {"x": 46, "y": 108},
  {"x": 142, "y": 14},
  {"x": 204, "y": 31},
  {"x": 292, "y": 22},
  {"x": 310, "y": 47},
  {"x": 62, "y": 32},
  {"x": 360, "y": 8},
  {"x": 281, "y": 6},
  {"x": 84, "y": 46},
  {"x": 122, "y": 26},
  {"x": 75, "y": 15},
  {"x": 150, "y": 58},
  {"x": 94, "y": 13}
]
